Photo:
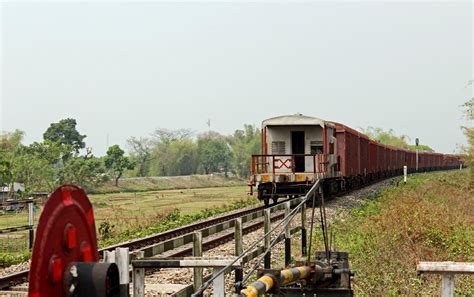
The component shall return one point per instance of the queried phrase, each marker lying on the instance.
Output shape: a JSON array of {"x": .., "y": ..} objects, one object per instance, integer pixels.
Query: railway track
[{"x": 21, "y": 277}]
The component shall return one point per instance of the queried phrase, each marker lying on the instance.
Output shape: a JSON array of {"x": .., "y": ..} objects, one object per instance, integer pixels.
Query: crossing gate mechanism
[{"x": 65, "y": 259}]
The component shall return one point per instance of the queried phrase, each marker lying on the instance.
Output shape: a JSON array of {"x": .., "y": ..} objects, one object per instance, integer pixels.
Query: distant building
[{"x": 5, "y": 191}]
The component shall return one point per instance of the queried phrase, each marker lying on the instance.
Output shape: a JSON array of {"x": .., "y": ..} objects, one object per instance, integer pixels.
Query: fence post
[
  {"x": 218, "y": 283},
  {"x": 138, "y": 277},
  {"x": 238, "y": 248},
  {"x": 447, "y": 270},
  {"x": 303, "y": 230},
  {"x": 287, "y": 235},
  {"x": 109, "y": 256},
  {"x": 447, "y": 285},
  {"x": 122, "y": 258},
  {"x": 266, "y": 228},
  {"x": 31, "y": 222},
  {"x": 197, "y": 252}
]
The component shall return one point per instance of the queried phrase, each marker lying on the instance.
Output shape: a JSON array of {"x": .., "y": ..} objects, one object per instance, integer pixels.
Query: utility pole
[
  {"x": 209, "y": 124},
  {"x": 417, "y": 141}
]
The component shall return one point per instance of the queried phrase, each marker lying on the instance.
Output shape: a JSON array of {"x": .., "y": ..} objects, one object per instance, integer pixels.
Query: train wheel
[{"x": 266, "y": 201}]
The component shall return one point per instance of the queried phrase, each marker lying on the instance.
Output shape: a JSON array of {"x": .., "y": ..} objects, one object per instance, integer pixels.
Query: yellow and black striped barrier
[{"x": 268, "y": 281}]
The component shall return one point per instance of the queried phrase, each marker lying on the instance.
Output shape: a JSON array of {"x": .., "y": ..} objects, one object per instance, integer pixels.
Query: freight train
[{"x": 297, "y": 150}]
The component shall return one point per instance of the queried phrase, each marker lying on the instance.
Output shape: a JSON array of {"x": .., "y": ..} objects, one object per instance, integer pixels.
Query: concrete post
[
  {"x": 138, "y": 277},
  {"x": 218, "y": 283},
  {"x": 122, "y": 259},
  {"x": 109, "y": 256},
  {"x": 31, "y": 222},
  {"x": 405, "y": 174},
  {"x": 447, "y": 285},
  {"x": 197, "y": 252}
]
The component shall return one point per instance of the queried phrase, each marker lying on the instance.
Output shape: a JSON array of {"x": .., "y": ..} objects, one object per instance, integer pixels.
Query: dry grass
[
  {"x": 134, "y": 210},
  {"x": 141, "y": 184},
  {"x": 429, "y": 219}
]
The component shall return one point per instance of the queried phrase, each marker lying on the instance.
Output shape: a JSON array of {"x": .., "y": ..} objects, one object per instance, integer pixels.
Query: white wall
[{"x": 283, "y": 133}]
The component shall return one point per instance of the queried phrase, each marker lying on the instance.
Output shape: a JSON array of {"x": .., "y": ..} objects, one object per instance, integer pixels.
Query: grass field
[
  {"x": 429, "y": 219},
  {"x": 136, "y": 210},
  {"x": 123, "y": 216},
  {"x": 157, "y": 183}
]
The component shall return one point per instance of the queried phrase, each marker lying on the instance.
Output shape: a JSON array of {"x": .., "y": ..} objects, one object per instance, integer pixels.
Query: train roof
[{"x": 297, "y": 119}]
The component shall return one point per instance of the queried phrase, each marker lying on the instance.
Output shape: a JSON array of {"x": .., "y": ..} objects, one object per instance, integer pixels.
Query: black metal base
[{"x": 315, "y": 292}]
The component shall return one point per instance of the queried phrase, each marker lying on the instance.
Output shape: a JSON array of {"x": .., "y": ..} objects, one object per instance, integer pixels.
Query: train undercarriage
[{"x": 269, "y": 192}]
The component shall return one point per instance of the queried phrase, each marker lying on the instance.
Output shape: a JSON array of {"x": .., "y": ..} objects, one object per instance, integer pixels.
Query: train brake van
[{"x": 296, "y": 151}]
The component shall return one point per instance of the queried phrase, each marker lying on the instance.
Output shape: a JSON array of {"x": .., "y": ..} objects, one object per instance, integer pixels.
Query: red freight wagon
[
  {"x": 373, "y": 164},
  {"x": 384, "y": 158},
  {"x": 411, "y": 161},
  {"x": 364, "y": 154},
  {"x": 401, "y": 160},
  {"x": 391, "y": 158},
  {"x": 298, "y": 150},
  {"x": 380, "y": 158},
  {"x": 348, "y": 150}
]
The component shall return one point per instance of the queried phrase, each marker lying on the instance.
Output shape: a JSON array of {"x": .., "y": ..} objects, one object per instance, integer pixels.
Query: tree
[
  {"x": 140, "y": 151},
  {"x": 33, "y": 171},
  {"x": 5, "y": 171},
  {"x": 173, "y": 153},
  {"x": 244, "y": 143},
  {"x": 86, "y": 171},
  {"x": 213, "y": 153},
  {"x": 389, "y": 137},
  {"x": 469, "y": 132},
  {"x": 117, "y": 163},
  {"x": 65, "y": 133},
  {"x": 167, "y": 136},
  {"x": 11, "y": 149},
  {"x": 37, "y": 165},
  {"x": 183, "y": 157}
]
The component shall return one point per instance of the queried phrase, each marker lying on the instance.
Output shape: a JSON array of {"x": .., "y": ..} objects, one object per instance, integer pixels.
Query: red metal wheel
[{"x": 66, "y": 234}]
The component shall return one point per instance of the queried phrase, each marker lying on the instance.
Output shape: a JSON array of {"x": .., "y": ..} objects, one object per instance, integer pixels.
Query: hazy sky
[{"x": 123, "y": 69}]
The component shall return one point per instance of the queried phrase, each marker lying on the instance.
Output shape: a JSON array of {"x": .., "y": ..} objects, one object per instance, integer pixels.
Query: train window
[
  {"x": 278, "y": 147},
  {"x": 316, "y": 147}
]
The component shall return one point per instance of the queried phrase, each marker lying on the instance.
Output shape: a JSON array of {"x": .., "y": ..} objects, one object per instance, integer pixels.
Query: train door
[{"x": 297, "y": 147}]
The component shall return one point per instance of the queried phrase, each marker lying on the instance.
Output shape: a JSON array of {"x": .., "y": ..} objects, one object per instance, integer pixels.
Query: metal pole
[
  {"x": 303, "y": 230},
  {"x": 287, "y": 236},
  {"x": 239, "y": 275},
  {"x": 266, "y": 229},
  {"x": 311, "y": 228}
]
